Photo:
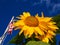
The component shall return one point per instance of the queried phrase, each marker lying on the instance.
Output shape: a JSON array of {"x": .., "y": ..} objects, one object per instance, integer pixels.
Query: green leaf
[
  {"x": 36, "y": 43},
  {"x": 57, "y": 20},
  {"x": 17, "y": 39},
  {"x": 58, "y": 24}
]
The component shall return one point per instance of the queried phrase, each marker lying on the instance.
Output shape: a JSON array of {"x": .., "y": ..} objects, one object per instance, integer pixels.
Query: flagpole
[
  {"x": 5, "y": 33},
  {"x": 8, "y": 25}
]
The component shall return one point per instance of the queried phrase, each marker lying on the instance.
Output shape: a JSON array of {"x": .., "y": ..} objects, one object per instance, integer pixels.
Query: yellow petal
[
  {"x": 18, "y": 17},
  {"x": 51, "y": 32},
  {"x": 51, "y": 40},
  {"x": 35, "y": 32},
  {"x": 31, "y": 31},
  {"x": 52, "y": 23},
  {"x": 24, "y": 28},
  {"x": 18, "y": 23},
  {"x": 26, "y": 32},
  {"x": 26, "y": 14},
  {"x": 53, "y": 27},
  {"x": 45, "y": 40},
  {"x": 36, "y": 15},
  {"x": 49, "y": 36},
  {"x": 43, "y": 27},
  {"x": 16, "y": 28},
  {"x": 22, "y": 17},
  {"x": 21, "y": 32},
  {"x": 46, "y": 19},
  {"x": 39, "y": 31},
  {"x": 42, "y": 14}
]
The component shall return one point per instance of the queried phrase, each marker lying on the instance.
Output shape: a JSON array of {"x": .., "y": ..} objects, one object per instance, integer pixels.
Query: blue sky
[{"x": 9, "y": 8}]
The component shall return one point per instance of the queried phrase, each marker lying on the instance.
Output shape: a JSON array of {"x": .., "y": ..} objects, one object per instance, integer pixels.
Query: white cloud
[
  {"x": 56, "y": 7},
  {"x": 41, "y": 1},
  {"x": 36, "y": 3}
]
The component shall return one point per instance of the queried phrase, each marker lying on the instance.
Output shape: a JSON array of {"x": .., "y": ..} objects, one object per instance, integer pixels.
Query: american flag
[{"x": 10, "y": 28}]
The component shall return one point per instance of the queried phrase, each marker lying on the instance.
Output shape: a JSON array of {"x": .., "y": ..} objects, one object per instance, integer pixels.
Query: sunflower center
[{"x": 31, "y": 21}]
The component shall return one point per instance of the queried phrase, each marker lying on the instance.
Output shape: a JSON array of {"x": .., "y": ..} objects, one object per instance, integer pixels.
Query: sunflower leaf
[
  {"x": 57, "y": 20},
  {"x": 36, "y": 43},
  {"x": 17, "y": 39}
]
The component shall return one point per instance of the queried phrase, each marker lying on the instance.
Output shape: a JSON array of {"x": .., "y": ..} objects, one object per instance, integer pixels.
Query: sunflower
[{"x": 40, "y": 26}]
